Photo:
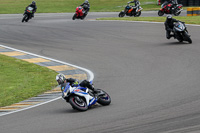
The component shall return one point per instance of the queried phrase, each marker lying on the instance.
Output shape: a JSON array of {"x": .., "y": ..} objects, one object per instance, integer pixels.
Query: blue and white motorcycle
[{"x": 82, "y": 98}]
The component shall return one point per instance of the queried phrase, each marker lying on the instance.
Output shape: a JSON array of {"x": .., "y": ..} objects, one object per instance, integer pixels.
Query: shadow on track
[
  {"x": 71, "y": 110},
  {"x": 175, "y": 43}
]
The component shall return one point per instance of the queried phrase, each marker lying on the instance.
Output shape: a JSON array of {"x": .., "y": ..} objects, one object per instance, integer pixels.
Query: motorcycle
[
  {"x": 131, "y": 11},
  {"x": 27, "y": 14},
  {"x": 170, "y": 9},
  {"x": 181, "y": 33},
  {"x": 80, "y": 13},
  {"x": 82, "y": 98}
]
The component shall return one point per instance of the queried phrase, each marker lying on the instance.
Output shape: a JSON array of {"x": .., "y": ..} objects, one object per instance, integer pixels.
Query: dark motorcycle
[
  {"x": 181, "y": 33},
  {"x": 80, "y": 13},
  {"x": 27, "y": 14},
  {"x": 131, "y": 11},
  {"x": 170, "y": 9}
]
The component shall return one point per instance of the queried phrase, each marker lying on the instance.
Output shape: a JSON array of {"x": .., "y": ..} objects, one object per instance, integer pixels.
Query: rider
[
  {"x": 73, "y": 82},
  {"x": 169, "y": 24},
  {"x": 33, "y": 5},
  {"x": 86, "y": 6},
  {"x": 137, "y": 3},
  {"x": 173, "y": 2}
]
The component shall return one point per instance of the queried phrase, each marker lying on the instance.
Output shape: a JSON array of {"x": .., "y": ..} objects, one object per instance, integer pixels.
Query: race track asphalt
[{"x": 153, "y": 82}]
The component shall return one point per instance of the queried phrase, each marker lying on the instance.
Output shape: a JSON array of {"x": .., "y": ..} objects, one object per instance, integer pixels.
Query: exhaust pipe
[{"x": 179, "y": 11}]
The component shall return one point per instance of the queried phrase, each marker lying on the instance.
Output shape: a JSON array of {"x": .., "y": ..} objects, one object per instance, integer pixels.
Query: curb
[{"x": 69, "y": 70}]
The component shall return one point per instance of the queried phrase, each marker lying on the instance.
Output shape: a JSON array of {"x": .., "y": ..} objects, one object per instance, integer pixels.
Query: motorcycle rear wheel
[
  {"x": 160, "y": 13},
  {"x": 78, "y": 103},
  {"x": 83, "y": 17},
  {"x": 104, "y": 99}
]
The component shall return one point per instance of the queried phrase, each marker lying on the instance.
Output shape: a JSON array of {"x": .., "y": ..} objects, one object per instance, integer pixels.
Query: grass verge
[
  {"x": 21, "y": 80},
  {"x": 186, "y": 19},
  {"x": 59, "y": 6}
]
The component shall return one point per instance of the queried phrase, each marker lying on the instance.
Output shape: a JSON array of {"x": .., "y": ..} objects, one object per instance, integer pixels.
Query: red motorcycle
[
  {"x": 80, "y": 13},
  {"x": 170, "y": 9}
]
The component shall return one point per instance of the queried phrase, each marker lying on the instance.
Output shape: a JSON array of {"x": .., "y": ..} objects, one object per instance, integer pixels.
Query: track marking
[
  {"x": 15, "y": 53},
  {"x": 36, "y": 60},
  {"x": 61, "y": 68}
]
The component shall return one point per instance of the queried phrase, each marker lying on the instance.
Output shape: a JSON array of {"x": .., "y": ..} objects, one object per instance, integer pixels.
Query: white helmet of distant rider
[{"x": 86, "y": 1}]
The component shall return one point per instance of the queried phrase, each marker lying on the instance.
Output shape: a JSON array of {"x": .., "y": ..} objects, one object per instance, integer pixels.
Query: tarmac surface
[{"x": 153, "y": 82}]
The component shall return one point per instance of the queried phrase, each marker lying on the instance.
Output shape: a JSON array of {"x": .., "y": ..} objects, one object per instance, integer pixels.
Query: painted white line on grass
[{"x": 90, "y": 73}]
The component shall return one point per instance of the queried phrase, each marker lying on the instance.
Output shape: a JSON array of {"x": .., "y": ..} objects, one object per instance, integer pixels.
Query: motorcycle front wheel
[
  {"x": 74, "y": 17},
  {"x": 138, "y": 14},
  {"x": 121, "y": 14},
  {"x": 104, "y": 99},
  {"x": 78, "y": 103},
  {"x": 24, "y": 18},
  {"x": 187, "y": 37},
  {"x": 160, "y": 13}
]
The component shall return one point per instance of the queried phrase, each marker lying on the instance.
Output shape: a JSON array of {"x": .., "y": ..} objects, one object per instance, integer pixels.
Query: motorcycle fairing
[
  {"x": 79, "y": 92},
  {"x": 179, "y": 26},
  {"x": 93, "y": 101},
  {"x": 129, "y": 11},
  {"x": 79, "y": 11}
]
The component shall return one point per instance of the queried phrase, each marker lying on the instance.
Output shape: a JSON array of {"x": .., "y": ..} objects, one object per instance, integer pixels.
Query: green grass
[
  {"x": 21, "y": 80},
  {"x": 186, "y": 19},
  {"x": 59, "y": 6}
]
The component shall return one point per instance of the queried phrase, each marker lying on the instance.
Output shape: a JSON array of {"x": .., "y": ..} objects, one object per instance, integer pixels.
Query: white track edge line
[
  {"x": 91, "y": 76},
  {"x": 140, "y": 22}
]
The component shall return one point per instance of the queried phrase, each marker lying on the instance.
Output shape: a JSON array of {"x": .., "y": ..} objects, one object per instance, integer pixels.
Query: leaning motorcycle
[
  {"x": 170, "y": 9},
  {"x": 131, "y": 11},
  {"x": 27, "y": 14},
  {"x": 82, "y": 98},
  {"x": 80, "y": 13},
  {"x": 181, "y": 33}
]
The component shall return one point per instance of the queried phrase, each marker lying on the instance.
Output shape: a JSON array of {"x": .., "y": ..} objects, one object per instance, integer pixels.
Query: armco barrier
[
  {"x": 189, "y": 11},
  {"x": 196, "y": 11},
  {"x": 193, "y": 11}
]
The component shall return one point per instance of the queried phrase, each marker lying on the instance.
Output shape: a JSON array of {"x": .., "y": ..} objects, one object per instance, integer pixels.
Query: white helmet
[
  {"x": 169, "y": 16},
  {"x": 86, "y": 1},
  {"x": 60, "y": 78}
]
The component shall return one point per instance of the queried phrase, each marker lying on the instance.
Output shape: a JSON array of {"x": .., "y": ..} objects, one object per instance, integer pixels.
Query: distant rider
[
  {"x": 86, "y": 6},
  {"x": 173, "y": 2},
  {"x": 66, "y": 83},
  {"x": 169, "y": 25},
  {"x": 33, "y": 5},
  {"x": 137, "y": 3}
]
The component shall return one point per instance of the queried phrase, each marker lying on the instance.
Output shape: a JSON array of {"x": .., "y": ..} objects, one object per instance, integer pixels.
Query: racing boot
[
  {"x": 173, "y": 36},
  {"x": 94, "y": 90}
]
